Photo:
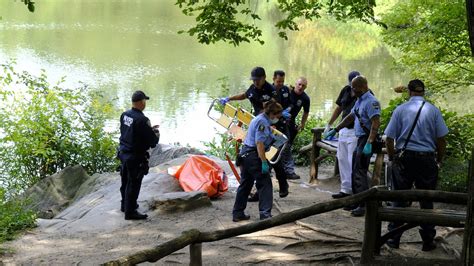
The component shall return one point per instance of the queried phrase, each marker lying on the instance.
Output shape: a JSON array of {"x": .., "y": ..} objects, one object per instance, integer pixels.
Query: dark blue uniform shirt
[
  {"x": 136, "y": 134},
  {"x": 258, "y": 96},
  {"x": 283, "y": 97},
  {"x": 298, "y": 102}
]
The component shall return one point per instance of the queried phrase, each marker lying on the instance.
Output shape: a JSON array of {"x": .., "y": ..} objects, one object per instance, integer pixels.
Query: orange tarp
[{"x": 200, "y": 173}]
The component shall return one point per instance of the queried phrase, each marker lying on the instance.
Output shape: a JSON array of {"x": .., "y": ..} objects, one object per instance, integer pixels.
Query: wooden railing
[{"x": 194, "y": 237}]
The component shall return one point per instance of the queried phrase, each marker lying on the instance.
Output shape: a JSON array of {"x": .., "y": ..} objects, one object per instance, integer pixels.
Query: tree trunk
[{"x": 470, "y": 22}]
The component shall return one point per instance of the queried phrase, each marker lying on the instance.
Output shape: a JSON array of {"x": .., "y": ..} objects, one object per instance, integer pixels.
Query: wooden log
[
  {"x": 468, "y": 241},
  {"x": 423, "y": 216},
  {"x": 306, "y": 148},
  {"x": 371, "y": 232},
  {"x": 418, "y": 194},
  {"x": 195, "y": 254},
  {"x": 195, "y": 236},
  {"x": 160, "y": 251},
  {"x": 326, "y": 146},
  {"x": 377, "y": 169},
  {"x": 315, "y": 152}
]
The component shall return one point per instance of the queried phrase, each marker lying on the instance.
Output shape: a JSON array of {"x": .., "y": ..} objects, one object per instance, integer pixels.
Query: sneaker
[
  {"x": 340, "y": 195},
  {"x": 135, "y": 216},
  {"x": 265, "y": 217},
  {"x": 283, "y": 194},
  {"x": 393, "y": 243},
  {"x": 428, "y": 246},
  {"x": 293, "y": 176},
  {"x": 358, "y": 212},
  {"x": 238, "y": 218},
  {"x": 253, "y": 198}
]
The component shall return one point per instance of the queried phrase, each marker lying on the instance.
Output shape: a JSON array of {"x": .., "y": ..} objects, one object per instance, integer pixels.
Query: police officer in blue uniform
[
  {"x": 423, "y": 153},
  {"x": 136, "y": 137},
  {"x": 366, "y": 117},
  {"x": 259, "y": 92},
  {"x": 254, "y": 166}
]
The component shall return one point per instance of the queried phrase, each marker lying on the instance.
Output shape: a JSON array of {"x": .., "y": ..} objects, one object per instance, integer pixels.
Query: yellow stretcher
[{"x": 237, "y": 120}]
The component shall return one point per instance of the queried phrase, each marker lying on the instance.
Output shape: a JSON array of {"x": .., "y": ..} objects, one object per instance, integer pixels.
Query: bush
[
  {"x": 15, "y": 217},
  {"x": 453, "y": 176},
  {"x": 221, "y": 145},
  {"x": 304, "y": 138},
  {"x": 45, "y": 128}
]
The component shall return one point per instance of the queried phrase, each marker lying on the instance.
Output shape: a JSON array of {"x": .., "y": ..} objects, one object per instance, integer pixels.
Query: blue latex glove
[
  {"x": 223, "y": 101},
  {"x": 286, "y": 114},
  {"x": 265, "y": 167},
  {"x": 329, "y": 134},
  {"x": 367, "y": 149}
]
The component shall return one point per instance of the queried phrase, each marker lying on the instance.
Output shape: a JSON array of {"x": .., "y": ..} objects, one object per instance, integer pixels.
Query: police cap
[
  {"x": 138, "y": 96},
  {"x": 257, "y": 73}
]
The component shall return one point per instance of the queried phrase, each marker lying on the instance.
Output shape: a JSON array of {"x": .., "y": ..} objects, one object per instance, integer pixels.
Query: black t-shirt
[
  {"x": 258, "y": 96},
  {"x": 298, "y": 102},
  {"x": 346, "y": 101},
  {"x": 136, "y": 134},
  {"x": 283, "y": 96}
]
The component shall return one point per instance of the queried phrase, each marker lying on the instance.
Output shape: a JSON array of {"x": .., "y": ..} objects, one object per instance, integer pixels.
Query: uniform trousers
[
  {"x": 132, "y": 171},
  {"x": 250, "y": 172},
  {"x": 417, "y": 168},
  {"x": 346, "y": 145},
  {"x": 360, "y": 167}
]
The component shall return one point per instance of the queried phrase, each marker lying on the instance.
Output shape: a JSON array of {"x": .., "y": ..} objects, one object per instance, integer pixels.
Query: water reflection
[{"x": 120, "y": 46}]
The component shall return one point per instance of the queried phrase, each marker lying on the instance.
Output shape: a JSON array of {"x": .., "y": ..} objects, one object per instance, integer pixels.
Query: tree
[
  {"x": 434, "y": 42},
  {"x": 228, "y": 20},
  {"x": 470, "y": 22}
]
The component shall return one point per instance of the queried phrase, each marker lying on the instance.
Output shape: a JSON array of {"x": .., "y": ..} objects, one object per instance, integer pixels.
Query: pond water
[{"x": 119, "y": 46}]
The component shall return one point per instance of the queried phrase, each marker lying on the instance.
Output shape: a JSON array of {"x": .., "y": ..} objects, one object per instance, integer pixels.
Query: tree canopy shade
[
  {"x": 434, "y": 42},
  {"x": 229, "y": 20}
]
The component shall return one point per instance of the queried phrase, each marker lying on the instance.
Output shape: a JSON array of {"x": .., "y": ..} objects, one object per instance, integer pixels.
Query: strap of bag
[
  {"x": 413, "y": 127},
  {"x": 366, "y": 130}
]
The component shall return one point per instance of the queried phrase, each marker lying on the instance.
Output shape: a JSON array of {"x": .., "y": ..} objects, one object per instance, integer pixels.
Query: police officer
[
  {"x": 259, "y": 92},
  {"x": 366, "y": 117},
  {"x": 298, "y": 100},
  {"x": 254, "y": 166},
  {"x": 347, "y": 141},
  {"x": 136, "y": 137},
  {"x": 423, "y": 152}
]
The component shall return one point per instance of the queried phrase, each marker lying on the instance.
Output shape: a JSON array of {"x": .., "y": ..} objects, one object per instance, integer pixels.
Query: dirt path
[{"x": 305, "y": 242}]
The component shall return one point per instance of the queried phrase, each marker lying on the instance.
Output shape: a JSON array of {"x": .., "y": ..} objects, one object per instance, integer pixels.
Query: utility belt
[
  {"x": 245, "y": 152},
  {"x": 417, "y": 153}
]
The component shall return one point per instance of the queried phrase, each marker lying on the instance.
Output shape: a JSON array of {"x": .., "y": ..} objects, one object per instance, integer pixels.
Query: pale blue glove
[
  {"x": 329, "y": 134},
  {"x": 367, "y": 149},
  {"x": 286, "y": 114},
  {"x": 223, "y": 101},
  {"x": 265, "y": 167}
]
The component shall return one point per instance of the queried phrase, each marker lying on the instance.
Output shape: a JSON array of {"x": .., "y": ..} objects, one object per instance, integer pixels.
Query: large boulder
[
  {"x": 54, "y": 193},
  {"x": 163, "y": 153}
]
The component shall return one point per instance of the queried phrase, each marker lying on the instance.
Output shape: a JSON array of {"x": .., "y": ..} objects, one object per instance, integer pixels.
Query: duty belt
[{"x": 420, "y": 153}]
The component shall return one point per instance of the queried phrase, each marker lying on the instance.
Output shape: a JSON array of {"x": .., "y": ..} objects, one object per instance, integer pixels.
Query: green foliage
[
  {"x": 15, "y": 217},
  {"x": 433, "y": 40},
  {"x": 304, "y": 138},
  {"x": 453, "y": 175},
  {"x": 460, "y": 137},
  {"x": 221, "y": 145},
  {"x": 234, "y": 21},
  {"x": 47, "y": 127}
]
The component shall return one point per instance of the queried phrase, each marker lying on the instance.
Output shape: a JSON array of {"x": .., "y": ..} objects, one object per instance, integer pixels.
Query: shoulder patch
[
  {"x": 376, "y": 105},
  {"x": 148, "y": 123},
  {"x": 261, "y": 128}
]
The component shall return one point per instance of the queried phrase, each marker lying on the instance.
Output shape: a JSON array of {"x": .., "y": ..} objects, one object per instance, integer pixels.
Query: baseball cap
[
  {"x": 257, "y": 73},
  {"x": 416, "y": 85},
  {"x": 138, "y": 96}
]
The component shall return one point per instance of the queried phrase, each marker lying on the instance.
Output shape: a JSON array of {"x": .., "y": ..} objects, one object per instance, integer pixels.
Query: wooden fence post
[
  {"x": 468, "y": 241},
  {"x": 370, "y": 246},
  {"x": 195, "y": 254},
  {"x": 315, "y": 152}
]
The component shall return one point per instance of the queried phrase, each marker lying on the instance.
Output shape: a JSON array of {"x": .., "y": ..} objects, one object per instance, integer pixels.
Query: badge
[
  {"x": 299, "y": 102},
  {"x": 376, "y": 105},
  {"x": 285, "y": 94},
  {"x": 261, "y": 128},
  {"x": 266, "y": 97}
]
